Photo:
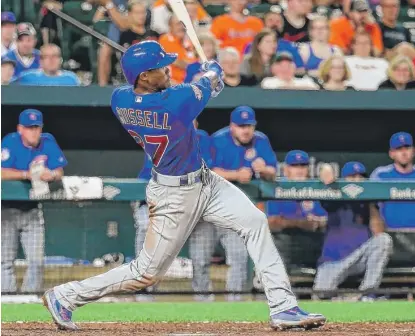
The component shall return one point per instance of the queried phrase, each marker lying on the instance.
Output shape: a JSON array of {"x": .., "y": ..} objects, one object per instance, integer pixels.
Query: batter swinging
[{"x": 182, "y": 192}]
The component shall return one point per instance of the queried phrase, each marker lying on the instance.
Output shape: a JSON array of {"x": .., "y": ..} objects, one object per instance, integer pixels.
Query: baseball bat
[
  {"x": 85, "y": 28},
  {"x": 179, "y": 9}
]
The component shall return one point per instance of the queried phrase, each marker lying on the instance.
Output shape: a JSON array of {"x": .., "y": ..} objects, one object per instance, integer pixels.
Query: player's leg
[
  {"x": 9, "y": 244},
  {"x": 330, "y": 275},
  {"x": 236, "y": 259},
  {"x": 229, "y": 207},
  {"x": 33, "y": 243},
  {"x": 173, "y": 213},
  {"x": 201, "y": 247}
]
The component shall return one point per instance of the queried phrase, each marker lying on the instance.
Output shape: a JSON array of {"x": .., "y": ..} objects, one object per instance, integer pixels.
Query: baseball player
[
  {"x": 181, "y": 192},
  {"x": 398, "y": 215},
  {"x": 19, "y": 151}
]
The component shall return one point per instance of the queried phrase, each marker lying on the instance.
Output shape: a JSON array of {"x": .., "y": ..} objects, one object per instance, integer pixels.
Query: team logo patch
[
  {"x": 307, "y": 205},
  {"x": 197, "y": 92},
  {"x": 32, "y": 116},
  {"x": 5, "y": 154},
  {"x": 138, "y": 99},
  {"x": 244, "y": 115},
  {"x": 298, "y": 157},
  {"x": 250, "y": 153},
  {"x": 402, "y": 138}
]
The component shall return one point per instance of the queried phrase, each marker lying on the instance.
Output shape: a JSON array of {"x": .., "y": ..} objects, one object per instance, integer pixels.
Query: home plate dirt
[{"x": 205, "y": 329}]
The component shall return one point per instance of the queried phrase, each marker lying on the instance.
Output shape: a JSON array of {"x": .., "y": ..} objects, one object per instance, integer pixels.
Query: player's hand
[
  {"x": 326, "y": 174},
  {"x": 213, "y": 66},
  {"x": 47, "y": 176},
  {"x": 258, "y": 165},
  {"x": 244, "y": 175},
  {"x": 218, "y": 89},
  {"x": 317, "y": 221}
]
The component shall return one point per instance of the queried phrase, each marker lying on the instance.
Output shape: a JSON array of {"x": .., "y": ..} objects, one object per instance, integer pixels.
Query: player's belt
[{"x": 177, "y": 181}]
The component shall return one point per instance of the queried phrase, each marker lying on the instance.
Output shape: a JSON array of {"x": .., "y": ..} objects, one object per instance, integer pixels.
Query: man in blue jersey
[
  {"x": 21, "y": 151},
  {"x": 181, "y": 193},
  {"x": 355, "y": 241},
  {"x": 398, "y": 215},
  {"x": 25, "y": 55},
  {"x": 50, "y": 72},
  {"x": 8, "y": 30}
]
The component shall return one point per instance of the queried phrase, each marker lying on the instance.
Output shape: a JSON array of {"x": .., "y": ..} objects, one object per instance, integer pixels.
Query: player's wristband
[{"x": 25, "y": 175}]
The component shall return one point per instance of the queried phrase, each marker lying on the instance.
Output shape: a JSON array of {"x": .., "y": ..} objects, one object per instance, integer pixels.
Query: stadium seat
[{"x": 215, "y": 10}]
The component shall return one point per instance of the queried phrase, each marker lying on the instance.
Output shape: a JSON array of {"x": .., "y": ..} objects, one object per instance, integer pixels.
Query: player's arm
[
  {"x": 8, "y": 157},
  {"x": 12, "y": 174},
  {"x": 266, "y": 165},
  {"x": 56, "y": 161},
  {"x": 276, "y": 222}
]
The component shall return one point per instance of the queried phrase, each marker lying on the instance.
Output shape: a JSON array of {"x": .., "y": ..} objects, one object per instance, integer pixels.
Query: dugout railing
[{"x": 89, "y": 233}]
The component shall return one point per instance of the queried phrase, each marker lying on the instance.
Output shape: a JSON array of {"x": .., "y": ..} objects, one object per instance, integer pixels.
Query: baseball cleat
[
  {"x": 296, "y": 318},
  {"x": 61, "y": 316}
]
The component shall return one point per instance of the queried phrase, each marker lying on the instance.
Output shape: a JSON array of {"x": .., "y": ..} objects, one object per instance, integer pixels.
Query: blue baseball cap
[
  {"x": 353, "y": 168},
  {"x": 8, "y": 17},
  {"x": 400, "y": 139},
  {"x": 31, "y": 117},
  {"x": 297, "y": 157},
  {"x": 243, "y": 115}
]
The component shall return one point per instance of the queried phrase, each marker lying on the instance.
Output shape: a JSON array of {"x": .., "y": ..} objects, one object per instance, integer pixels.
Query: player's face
[
  {"x": 320, "y": 31},
  {"x": 25, "y": 44},
  {"x": 390, "y": 9},
  {"x": 403, "y": 155},
  {"x": 355, "y": 178},
  {"x": 362, "y": 46},
  {"x": 359, "y": 18},
  {"x": 209, "y": 49},
  {"x": 337, "y": 70},
  {"x": 273, "y": 21},
  {"x": 7, "y": 31},
  {"x": 284, "y": 70},
  {"x": 401, "y": 74},
  {"x": 30, "y": 135},
  {"x": 243, "y": 133},
  {"x": 138, "y": 14},
  {"x": 296, "y": 172},
  {"x": 51, "y": 59},
  {"x": 7, "y": 71},
  {"x": 158, "y": 79},
  {"x": 268, "y": 45}
]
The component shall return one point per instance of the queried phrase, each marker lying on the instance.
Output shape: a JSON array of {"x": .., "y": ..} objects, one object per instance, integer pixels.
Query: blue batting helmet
[{"x": 144, "y": 56}]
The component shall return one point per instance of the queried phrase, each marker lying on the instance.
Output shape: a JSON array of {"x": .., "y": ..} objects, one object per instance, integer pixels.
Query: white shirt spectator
[
  {"x": 274, "y": 83},
  {"x": 366, "y": 72}
]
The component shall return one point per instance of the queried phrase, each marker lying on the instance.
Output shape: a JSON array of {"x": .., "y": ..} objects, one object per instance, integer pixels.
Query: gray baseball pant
[
  {"x": 202, "y": 245},
  {"x": 29, "y": 225},
  {"x": 370, "y": 258},
  {"x": 174, "y": 212}
]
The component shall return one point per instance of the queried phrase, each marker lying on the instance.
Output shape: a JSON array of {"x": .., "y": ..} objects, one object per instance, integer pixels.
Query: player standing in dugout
[{"x": 181, "y": 193}]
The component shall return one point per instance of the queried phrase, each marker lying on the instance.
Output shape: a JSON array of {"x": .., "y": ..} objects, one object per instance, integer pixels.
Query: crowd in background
[{"x": 274, "y": 44}]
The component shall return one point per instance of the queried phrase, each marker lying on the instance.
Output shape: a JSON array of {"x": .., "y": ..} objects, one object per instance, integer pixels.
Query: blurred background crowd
[{"x": 274, "y": 44}]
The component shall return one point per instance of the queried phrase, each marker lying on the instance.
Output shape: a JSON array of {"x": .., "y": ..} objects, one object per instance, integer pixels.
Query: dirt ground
[{"x": 200, "y": 329}]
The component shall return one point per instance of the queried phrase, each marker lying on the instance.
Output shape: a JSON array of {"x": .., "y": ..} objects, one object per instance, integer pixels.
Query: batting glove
[
  {"x": 218, "y": 89},
  {"x": 213, "y": 66}
]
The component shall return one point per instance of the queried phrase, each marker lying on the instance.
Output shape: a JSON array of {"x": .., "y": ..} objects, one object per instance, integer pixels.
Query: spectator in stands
[
  {"x": 334, "y": 74},
  {"x": 355, "y": 241},
  {"x": 295, "y": 21},
  {"x": 306, "y": 215},
  {"x": 258, "y": 62},
  {"x": 7, "y": 70},
  {"x": 318, "y": 49},
  {"x": 401, "y": 74},
  {"x": 210, "y": 48},
  {"x": 283, "y": 46},
  {"x": 27, "y": 154},
  {"x": 398, "y": 215},
  {"x": 137, "y": 30},
  {"x": 25, "y": 55},
  {"x": 176, "y": 41},
  {"x": 161, "y": 13},
  {"x": 329, "y": 9},
  {"x": 8, "y": 29},
  {"x": 343, "y": 29},
  {"x": 283, "y": 72},
  {"x": 407, "y": 17},
  {"x": 273, "y": 19},
  {"x": 50, "y": 72},
  {"x": 235, "y": 29},
  {"x": 229, "y": 60},
  {"x": 393, "y": 32},
  {"x": 366, "y": 71}
]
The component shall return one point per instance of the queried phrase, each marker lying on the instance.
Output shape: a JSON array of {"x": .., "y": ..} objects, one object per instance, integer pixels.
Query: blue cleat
[
  {"x": 296, "y": 318},
  {"x": 61, "y": 316}
]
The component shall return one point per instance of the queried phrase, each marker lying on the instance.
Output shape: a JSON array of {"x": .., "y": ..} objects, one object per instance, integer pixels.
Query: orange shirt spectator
[
  {"x": 176, "y": 42},
  {"x": 202, "y": 15},
  {"x": 235, "y": 29},
  {"x": 342, "y": 30}
]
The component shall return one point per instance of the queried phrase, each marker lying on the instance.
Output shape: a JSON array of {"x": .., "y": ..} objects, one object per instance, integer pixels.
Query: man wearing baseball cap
[
  {"x": 355, "y": 241},
  {"x": 398, "y": 215},
  {"x": 7, "y": 70},
  {"x": 8, "y": 28},
  {"x": 21, "y": 152},
  {"x": 25, "y": 55}
]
